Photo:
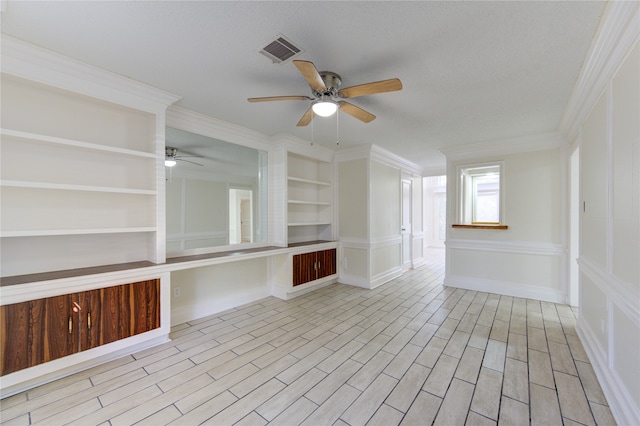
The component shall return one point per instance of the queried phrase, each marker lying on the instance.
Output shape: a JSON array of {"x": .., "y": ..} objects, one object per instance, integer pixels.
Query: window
[{"x": 480, "y": 190}]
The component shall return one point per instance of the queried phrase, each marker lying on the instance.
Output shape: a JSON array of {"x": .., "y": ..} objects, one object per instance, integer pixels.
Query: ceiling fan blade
[
  {"x": 192, "y": 162},
  {"x": 390, "y": 85},
  {"x": 311, "y": 74},
  {"x": 306, "y": 118},
  {"x": 356, "y": 112},
  {"x": 280, "y": 98}
]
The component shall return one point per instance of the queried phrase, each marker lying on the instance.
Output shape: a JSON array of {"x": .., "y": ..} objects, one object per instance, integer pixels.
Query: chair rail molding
[{"x": 520, "y": 247}]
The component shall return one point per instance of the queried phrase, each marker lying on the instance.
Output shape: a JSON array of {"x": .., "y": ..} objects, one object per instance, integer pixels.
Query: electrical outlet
[{"x": 176, "y": 292}]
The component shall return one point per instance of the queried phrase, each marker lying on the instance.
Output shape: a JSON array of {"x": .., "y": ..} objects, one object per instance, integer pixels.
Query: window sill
[{"x": 483, "y": 226}]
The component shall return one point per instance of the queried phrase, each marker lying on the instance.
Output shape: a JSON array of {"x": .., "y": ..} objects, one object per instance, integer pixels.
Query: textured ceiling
[{"x": 472, "y": 71}]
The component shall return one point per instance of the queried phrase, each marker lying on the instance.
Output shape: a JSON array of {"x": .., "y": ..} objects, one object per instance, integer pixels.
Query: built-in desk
[{"x": 269, "y": 269}]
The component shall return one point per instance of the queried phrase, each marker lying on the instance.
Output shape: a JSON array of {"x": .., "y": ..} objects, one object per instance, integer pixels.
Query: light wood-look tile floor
[{"x": 410, "y": 352}]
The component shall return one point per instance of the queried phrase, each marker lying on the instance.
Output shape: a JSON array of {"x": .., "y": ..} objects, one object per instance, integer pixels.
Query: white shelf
[
  {"x": 309, "y": 198},
  {"x": 311, "y": 203},
  {"x": 34, "y": 137},
  {"x": 54, "y": 232},
  {"x": 66, "y": 187},
  {"x": 309, "y": 181}
]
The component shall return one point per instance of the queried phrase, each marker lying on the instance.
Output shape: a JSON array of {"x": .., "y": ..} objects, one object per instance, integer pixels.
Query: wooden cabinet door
[
  {"x": 37, "y": 331},
  {"x": 42, "y": 330},
  {"x": 59, "y": 334},
  {"x": 15, "y": 335},
  {"x": 127, "y": 310},
  {"x": 326, "y": 263},
  {"x": 304, "y": 268},
  {"x": 140, "y": 304}
]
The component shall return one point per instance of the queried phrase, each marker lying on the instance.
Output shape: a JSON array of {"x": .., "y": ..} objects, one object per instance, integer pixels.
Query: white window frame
[{"x": 466, "y": 191}]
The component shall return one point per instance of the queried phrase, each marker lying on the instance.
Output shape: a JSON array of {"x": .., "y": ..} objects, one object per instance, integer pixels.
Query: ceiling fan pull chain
[
  {"x": 311, "y": 132},
  {"x": 337, "y": 128}
]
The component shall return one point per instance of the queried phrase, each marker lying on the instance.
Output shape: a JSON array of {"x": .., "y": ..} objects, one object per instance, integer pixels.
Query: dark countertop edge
[{"x": 93, "y": 270}]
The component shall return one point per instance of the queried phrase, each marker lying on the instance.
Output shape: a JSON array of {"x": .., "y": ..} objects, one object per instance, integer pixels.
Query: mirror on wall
[{"x": 216, "y": 194}]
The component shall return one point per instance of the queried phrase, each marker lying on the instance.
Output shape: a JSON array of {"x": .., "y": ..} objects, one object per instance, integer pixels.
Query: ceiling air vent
[{"x": 280, "y": 50}]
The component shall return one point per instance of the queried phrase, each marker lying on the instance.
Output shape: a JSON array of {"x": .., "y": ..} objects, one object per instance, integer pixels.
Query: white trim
[
  {"x": 29, "y": 378},
  {"x": 619, "y": 30},
  {"x": 381, "y": 155},
  {"x": 389, "y": 240},
  {"x": 303, "y": 147},
  {"x": 621, "y": 293},
  {"x": 384, "y": 277},
  {"x": 354, "y": 280},
  {"x": 512, "y": 247},
  {"x": 502, "y": 147},
  {"x": 28, "y": 61},
  {"x": 194, "y": 122},
  {"x": 622, "y": 405},
  {"x": 418, "y": 262},
  {"x": 358, "y": 243},
  {"x": 507, "y": 288}
]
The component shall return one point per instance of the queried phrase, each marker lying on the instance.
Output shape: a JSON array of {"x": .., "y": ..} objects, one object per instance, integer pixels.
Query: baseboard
[
  {"x": 354, "y": 280},
  {"x": 285, "y": 293},
  {"x": 526, "y": 291},
  {"x": 38, "y": 375},
  {"x": 416, "y": 263},
  {"x": 622, "y": 406},
  {"x": 385, "y": 277},
  {"x": 205, "y": 308}
]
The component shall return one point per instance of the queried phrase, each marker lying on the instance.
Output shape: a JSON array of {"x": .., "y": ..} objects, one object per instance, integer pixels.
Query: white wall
[
  {"x": 211, "y": 289},
  {"x": 386, "y": 250},
  {"x": 369, "y": 215},
  {"x": 609, "y": 261},
  {"x": 527, "y": 259}
]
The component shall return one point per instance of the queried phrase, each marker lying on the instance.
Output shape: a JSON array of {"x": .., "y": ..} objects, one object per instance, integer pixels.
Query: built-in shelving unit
[
  {"x": 78, "y": 177},
  {"x": 309, "y": 199}
]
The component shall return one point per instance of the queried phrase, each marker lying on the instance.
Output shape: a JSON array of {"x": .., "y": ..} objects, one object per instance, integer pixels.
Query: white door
[
  {"x": 406, "y": 224},
  {"x": 245, "y": 220}
]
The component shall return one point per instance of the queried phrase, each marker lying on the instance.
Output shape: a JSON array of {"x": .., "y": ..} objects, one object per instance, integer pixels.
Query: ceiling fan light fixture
[
  {"x": 324, "y": 108},
  {"x": 169, "y": 162}
]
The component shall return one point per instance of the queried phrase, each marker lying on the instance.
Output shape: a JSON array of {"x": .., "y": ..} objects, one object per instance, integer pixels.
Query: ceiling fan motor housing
[{"x": 332, "y": 81}]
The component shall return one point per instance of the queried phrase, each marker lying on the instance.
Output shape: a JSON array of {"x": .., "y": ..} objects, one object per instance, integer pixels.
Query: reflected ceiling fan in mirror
[
  {"x": 171, "y": 157},
  {"x": 327, "y": 95}
]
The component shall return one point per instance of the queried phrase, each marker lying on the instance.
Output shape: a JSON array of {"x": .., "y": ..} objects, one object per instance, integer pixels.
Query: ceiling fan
[
  {"x": 327, "y": 95},
  {"x": 171, "y": 157}
]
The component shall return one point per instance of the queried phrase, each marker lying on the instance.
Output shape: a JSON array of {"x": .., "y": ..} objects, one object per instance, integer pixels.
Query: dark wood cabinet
[
  {"x": 313, "y": 266},
  {"x": 42, "y": 330}
]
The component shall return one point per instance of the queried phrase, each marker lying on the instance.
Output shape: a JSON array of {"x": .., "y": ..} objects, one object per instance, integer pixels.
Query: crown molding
[
  {"x": 357, "y": 152},
  {"x": 502, "y": 147},
  {"x": 619, "y": 30},
  {"x": 303, "y": 147},
  {"x": 387, "y": 157},
  {"x": 37, "y": 64},
  {"x": 381, "y": 155},
  {"x": 205, "y": 125}
]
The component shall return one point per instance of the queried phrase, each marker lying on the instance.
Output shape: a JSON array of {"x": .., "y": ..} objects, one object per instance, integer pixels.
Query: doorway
[
  {"x": 240, "y": 215},
  {"x": 406, "y": 224}
]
